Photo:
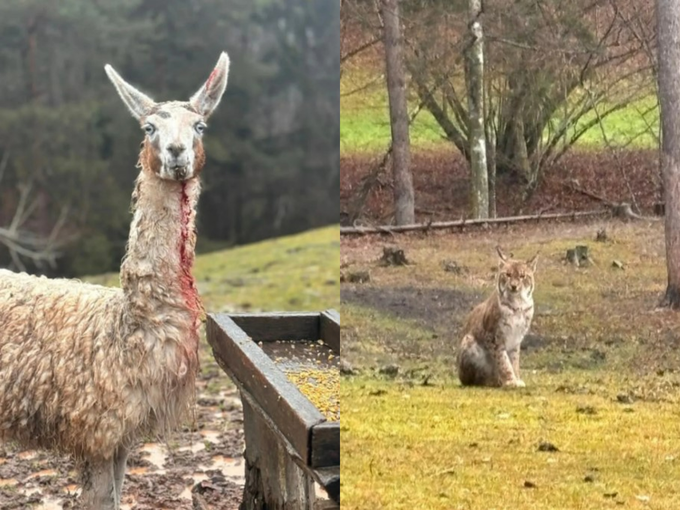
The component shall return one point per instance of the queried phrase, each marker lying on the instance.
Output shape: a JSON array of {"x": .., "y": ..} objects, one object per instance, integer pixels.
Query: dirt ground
[
  {"x": 200, "y": 466},
  {"x": 415, "y": 312}
]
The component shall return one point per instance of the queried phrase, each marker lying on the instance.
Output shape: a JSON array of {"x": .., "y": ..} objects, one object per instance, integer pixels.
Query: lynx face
[{"x": 516, "y": 277}]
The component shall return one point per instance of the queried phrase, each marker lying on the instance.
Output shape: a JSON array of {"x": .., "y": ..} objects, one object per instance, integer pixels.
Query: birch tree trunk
[
  {"x": 404, "y": 203},
  {"x": 491, "y": 169},
  {"x": 668, "y": 26},
  {"x": 474, "y": 70}
]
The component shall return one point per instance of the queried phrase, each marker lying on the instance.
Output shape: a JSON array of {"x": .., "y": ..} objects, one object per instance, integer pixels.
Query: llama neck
[{"x": 156, "y": 274}]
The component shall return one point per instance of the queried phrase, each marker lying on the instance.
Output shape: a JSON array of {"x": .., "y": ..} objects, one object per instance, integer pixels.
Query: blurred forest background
[{"x": 68, "y": 147}]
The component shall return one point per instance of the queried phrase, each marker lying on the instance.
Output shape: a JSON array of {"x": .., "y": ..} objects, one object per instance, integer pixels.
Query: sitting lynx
[{"x": 489, "y": 351}]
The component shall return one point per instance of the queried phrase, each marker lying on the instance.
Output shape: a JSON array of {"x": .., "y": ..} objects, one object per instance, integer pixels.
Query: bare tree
[
  {"x": 404, "y": 201},
  {"x": 474, "y": 71},
  {"x": 668, "y": 26},
  {"x": 549, "y": 65},
  {"x": 21, "y": 243}
]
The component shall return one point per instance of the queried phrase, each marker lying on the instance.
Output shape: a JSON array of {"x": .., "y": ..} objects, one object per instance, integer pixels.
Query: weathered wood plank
[
  {"x": 273, "y": 480},
  {"x": 266, "y": 327},
  {"x": 325, "y": 444},
  {"x": 292, "y": 413},
  {"x": 278, "y": 419},
  {"x": 253, "y": 425},
  {"x": 330, "y": 329},
  {"x": 320, "y": 504}
]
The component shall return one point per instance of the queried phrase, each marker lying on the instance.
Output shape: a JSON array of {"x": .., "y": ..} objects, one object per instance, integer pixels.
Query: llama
[{"x": 86, "y": 370}]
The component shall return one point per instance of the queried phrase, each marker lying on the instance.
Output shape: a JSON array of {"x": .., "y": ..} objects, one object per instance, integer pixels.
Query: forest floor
[
  {"x": 597, "y": 424},
  {"x": 204, "y": 460},
  {"x": 441, "y": 183}
]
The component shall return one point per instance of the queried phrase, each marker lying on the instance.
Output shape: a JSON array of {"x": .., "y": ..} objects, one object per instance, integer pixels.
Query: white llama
[{"x": 86, "y": 370}]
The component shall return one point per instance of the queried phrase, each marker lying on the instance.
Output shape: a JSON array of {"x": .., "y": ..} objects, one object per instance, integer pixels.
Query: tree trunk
[
  {"x": 668, "y": 23},
  {"x": 474, "y": 70},
  {"x": 491, "y": 169},
  {"x": 404, "y": 203}
]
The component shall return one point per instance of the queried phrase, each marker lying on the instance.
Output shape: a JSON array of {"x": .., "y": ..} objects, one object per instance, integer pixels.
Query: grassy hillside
[
  {"x": 298, "y": 272},
  {"x": 600, "y": 364}
]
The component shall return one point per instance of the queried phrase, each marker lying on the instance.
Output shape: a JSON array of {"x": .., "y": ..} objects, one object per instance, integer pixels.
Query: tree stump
[
  {"x": 572, "y": 258},
  {"x": 601, "y": 235},
  {"x": 582, "y": 254},
  {"x": 451, "y": 266},
  {"x": 623, "y": 211},
  {"x": 578, "y": 256},
  {"x": 355, "y": 277},
  {"x": 393, "y": 256}
]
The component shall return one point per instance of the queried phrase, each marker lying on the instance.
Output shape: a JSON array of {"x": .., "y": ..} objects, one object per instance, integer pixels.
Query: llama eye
[
  {"x": 200, "y": 127},
  {"x": 149, "y": 129}
]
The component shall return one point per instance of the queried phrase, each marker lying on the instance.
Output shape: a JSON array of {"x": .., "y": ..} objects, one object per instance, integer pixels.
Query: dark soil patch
[
  {"x": 534, "y": 342},
  {"x": 442, "y": 310},
  {"x": 571, "y": 359}
]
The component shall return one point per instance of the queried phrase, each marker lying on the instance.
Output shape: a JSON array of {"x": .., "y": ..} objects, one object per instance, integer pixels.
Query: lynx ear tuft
[
  {"x": 532, "y": 262},
  {"x": 502, "y": 255}
]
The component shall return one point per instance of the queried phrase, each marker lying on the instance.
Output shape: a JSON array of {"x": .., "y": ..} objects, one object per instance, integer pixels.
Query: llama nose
[{"x": 175, "y": 149}]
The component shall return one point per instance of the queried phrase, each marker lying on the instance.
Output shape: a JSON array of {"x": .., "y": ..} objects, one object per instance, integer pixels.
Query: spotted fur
[{"x": 490, "y": 349}]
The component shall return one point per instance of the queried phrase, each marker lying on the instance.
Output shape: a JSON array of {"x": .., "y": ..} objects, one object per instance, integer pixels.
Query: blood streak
[{"x": 186, "y": 257}]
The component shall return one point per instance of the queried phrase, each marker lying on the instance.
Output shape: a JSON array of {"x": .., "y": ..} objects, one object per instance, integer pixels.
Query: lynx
[{"x": 489, "y": 351}]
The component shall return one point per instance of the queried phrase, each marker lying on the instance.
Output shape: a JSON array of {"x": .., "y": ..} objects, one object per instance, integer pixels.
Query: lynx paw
[{"x": 515, "y": 383}]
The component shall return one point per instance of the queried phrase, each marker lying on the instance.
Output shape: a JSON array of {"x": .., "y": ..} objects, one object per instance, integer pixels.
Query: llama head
[{"x": 173, "y": 146}]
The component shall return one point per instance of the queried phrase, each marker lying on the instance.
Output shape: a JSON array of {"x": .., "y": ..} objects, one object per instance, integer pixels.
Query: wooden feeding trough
[{"x": 290, "y": 444}]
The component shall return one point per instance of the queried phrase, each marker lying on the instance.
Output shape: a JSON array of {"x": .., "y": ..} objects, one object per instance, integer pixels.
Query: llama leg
[
  {"x": 99, "y": 489},
  {"x": 474, "y": 364},
  {"x": 119, "y": 464}
]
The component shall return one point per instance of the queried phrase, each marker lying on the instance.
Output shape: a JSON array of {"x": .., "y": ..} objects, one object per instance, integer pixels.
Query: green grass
[
  {"x": 365, "y": 121},
  {"x": 636, "y": 126},
  {"x": 295, "y": 273},
  {"x": 368, "y": 130},
  {"x": 449, "y": 448},
  {"x": 365, "y": 127},
  {"x": 597, "y": 339}
]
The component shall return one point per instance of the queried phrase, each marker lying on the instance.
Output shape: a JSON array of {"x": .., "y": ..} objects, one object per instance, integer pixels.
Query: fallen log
[
  {"x": 619, "y": 209},
  {"x": 391, "y": 229}
]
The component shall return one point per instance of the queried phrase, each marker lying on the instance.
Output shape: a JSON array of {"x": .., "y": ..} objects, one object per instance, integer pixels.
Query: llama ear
[
  {"x": 532, "y": 262},
  {"x": 501, "y": 254},
  {"x": 208, "y": 96},
  {"x": 138, "y": 103}
]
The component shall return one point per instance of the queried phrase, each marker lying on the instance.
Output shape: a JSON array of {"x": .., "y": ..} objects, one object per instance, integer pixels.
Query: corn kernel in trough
[{"x": 321, "y": 387}]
